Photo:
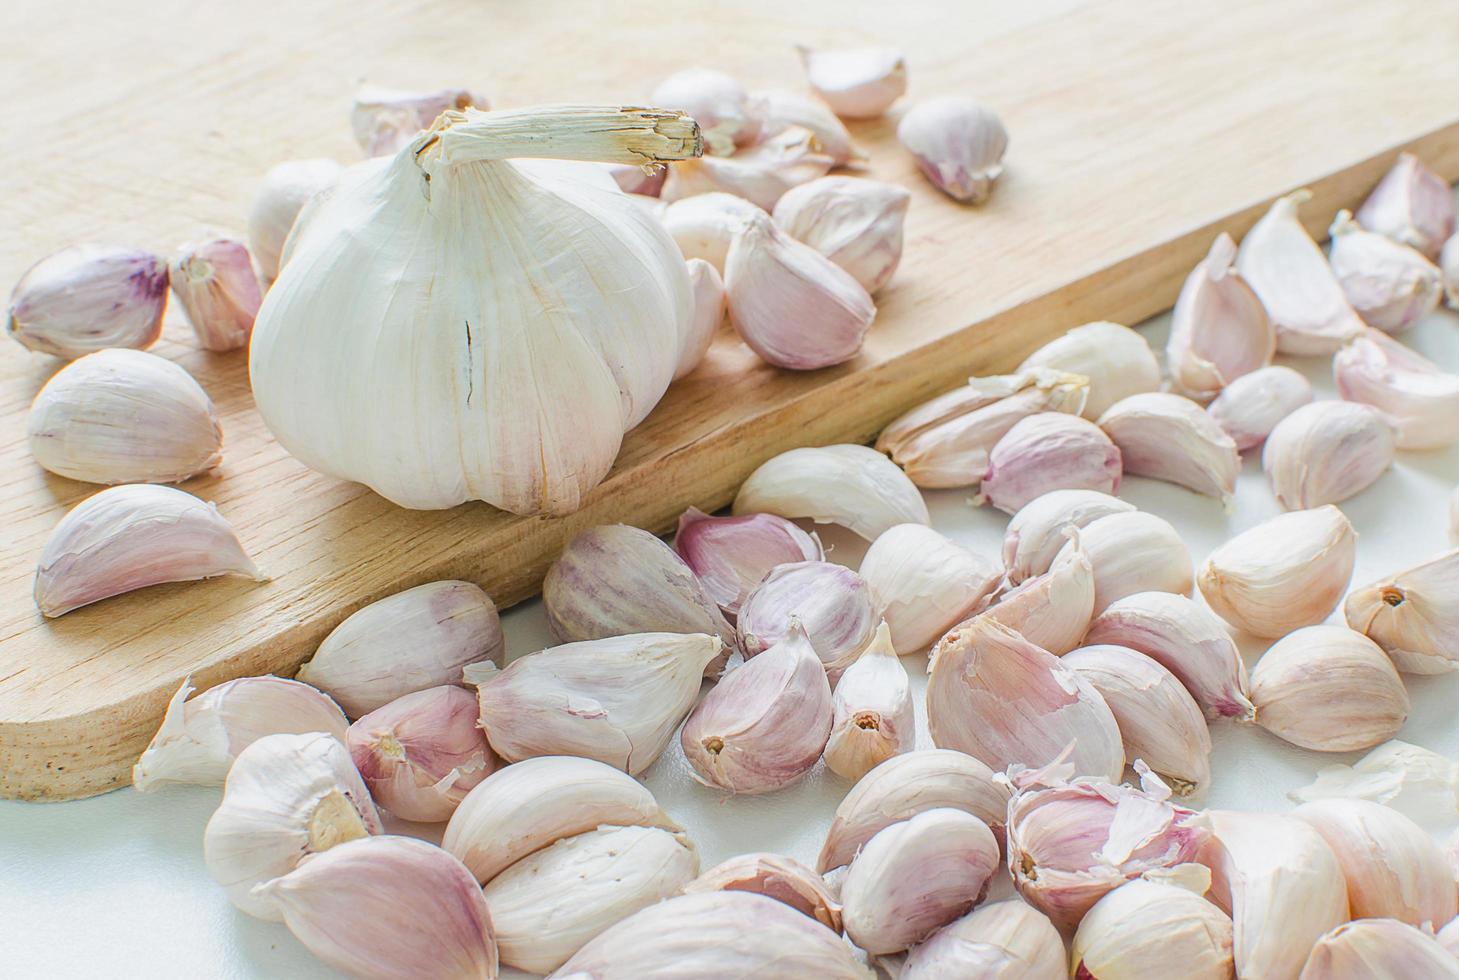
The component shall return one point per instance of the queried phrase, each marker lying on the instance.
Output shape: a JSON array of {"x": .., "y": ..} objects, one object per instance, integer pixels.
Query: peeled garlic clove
[
  {"x": 286, "y": 188},
  {"x": 703, "y": 226},
  {"x": 1049, "y": 451},
  {"x": 1379, "y": 949},
  {"x": 216, "y": 285},
  {"x": 872, "y": 717},
  {"x": 1171, "y": 438},
  {"x": 765, "y": 724},
  {"x": 833, "y": 605},
  {"x": 287, "y": 796},
  {"x": 775, "y": 877},
  {"x": 731, "y": 555},
  {"x": 1051, "y": 610},
  {"x": 1391, "y": 286},
  {"x": 617, "y": 700},
  {"x": 1130, "y": 553},
  {"x": 1219, "y": 330},
  {"x": 1413, "y": 781},
  {"x": 724, "y": 110},
  {"x": 124, "y": 416},
  {"x": 1004, "y": 701},
  {"x": 1413, "y": 615},
  {"x": 1186, "y": 640},
  {"x": 709, "y": 307},
  {"x": 1249, "y": 408},
  {"x": 853, "y": 221},
  {"x": 853, "y": 486},
  {"x": 130, "y": 537},
  {"x": 1117, "y": 361},
  {"x": 1006, "y": 939},
  {"x": 857, "y": 83},
  {"x": 780, "y": 110},
  {"x": 760, "y": 174},
  {"x": 958, "y": 145},
  {"x": 1152, "y": 928},
  {"x": 403, "y": 643},
  {"x": 922, "y": 584},
  {"x": 1412, "y": 205},
  {"x": 384, "y": 120},
  {"x": 1420, "y": 400},
  {"x": 1036, "y": 534},
  {"x": 200, "y": 738},
  {"x": 1284, "y": 573},
  {"x": 1330, "y": 689},
  {"x": 86, "y": 298},
  {"x": 963, "y": 400}
]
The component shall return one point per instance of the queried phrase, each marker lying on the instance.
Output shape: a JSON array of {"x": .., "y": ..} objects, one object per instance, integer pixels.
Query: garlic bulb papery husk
[
  {"x": 200, "y": 738},
  {"x": 218, "y": 289},
  {"x": 916, "y": 876},
  {"x": 87, "y": 298},
  {"x": 1420, "y": 400},
  {"x": 1169, "y": 437},
  {"x": 922, "y": 584},
  {"x": 407, "y": 242},
  {"x": 958, "y": 145},
  {"x": 1130, "y": 553},
  {"x": 760, "y": 174},
  {"x": 384, "y": 120},
  {"x": 777, "y": 877},
  {"x": 1049, "y": 451},
  {"x": 422, "y": 753},
  {"x": 287, "y": 796},
  {"x": 703, "y": 226},
  {"x": 833, "y": 606},
  {"x": 1052, "y": 610},
  {"x": 1280, "y": 883},
  {"x": 130, "y": 537},
  {"x": 1449, "y": 269},
  {"x": 1448, "y": 937},
  {"x": 285, "y": 189},
  {"x": 1414, "y": 781},
  {"x": 1291, "y": 277},
  {"x": 1160, "y": 723},
  {"x": 1153, "y": 928},
  {"x": 765, "y": 724},
  {"x": 963, "y": 400},
  {"x": 1036, "y": 534},
  {"x": 780, "y": 110},
  {"x": 731, "y": 555},
  {"x": 1187, "y": 640},
  {"x": 1412, "y": 205},
  {"x": 124, "y": 416},
  {"x": 726, "y": 114},
  {"x": 1219, "y": 330},
  {"x": 906, "y": 785},
  {"x": 407, "y": 642},
  {"x": 617, "y": 700},
  {"x": 1413, "y": 615},
  {"x": 1393, "y": 868},
  {"x": 1249, "y": 408},
  {"x": 1004, "y": 941},
  {"x": 853, "y": 221},
  {"x": 857, "y": 83},
  {"x": 854, "y": 486},
  {"x": 792, "y": 305},
  {"x": 1284, "y": 573},
  {"x": 1379, "y": 949},
  {"x": 715, "y": 934},
  {"x": 709, "y": 308},
  {"x": 1391, "y": 286},
  {"x": 1004, "y": 701},
  {"x": 548, "y": 904},
  {"x": 1329, "y": 689},
  {"x": 872, "y": 716},
  {"x": 1117, "y": 361}
]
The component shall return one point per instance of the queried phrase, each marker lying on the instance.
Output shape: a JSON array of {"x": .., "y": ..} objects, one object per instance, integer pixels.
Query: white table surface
[{"x": 115, "y": 886}]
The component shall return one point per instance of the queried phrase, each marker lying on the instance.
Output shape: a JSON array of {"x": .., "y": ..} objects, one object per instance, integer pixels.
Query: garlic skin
[
  {"x": 1049, "y": 451},
  {"x": 1419, "y": 399},
  {"x": 1412, "y": 615},
  {"x": 1412, "y": 205},
  {"x": 922, "y": 584},
  {"x": 1053, "y": 610},
  {"x": 1171, "y": 438},
  {"x": 87, "y": 298},
  {"x": 857, "y": 83},
  {"x": 1287, "y": 572},
  {"x": 286, "y": 797},
  {"x": 1291, "y": 277},
  {"x": 403, "y": 643},
  {"x": 832, "y": 605},
  {"x": 958, "y": 145},
  {"x": 1151, "y": 928},
  {"x": 1379, "y": 949},
  {"x": 1117, "y": 361},
  {"x": 709, "y": 309},
  {"x": 1036, "y": 534},
  {"x": 966, "y": 399},
  {"x": 916, "y": 876},
  {"x": 777, "y": 877},
  {"x": 853, "y": 486},
  {"x": 285, "y": 189},
  {"x": 1130, "y": 553},
  {"x": 129, "y": 537},
  {"x": 703, "y": 226},
  {"x": 384, "y": 120},
  {"x": 1411, "y": 780},
  {"x": 1249, "y": 408},
  {"x": 726, "y": 114},
  {"x": 731, "y": 555},
  {"x": 760, "y": 174},
  {"x": 1330, "y": 689},
  {"x": 216, "y": 285},
  {"x": 1390, "y": 285},
  {"x": 124, "y": 416},
  {"x": 1004, "y": 941},
  {"x": 853, "y": 221},
  {"x": 646, "y": 183},
  {"x": 872, "y": 717},
  {"x": 1219, "y": 330},
  {"x": 781, "y": 109},
  {"x": 617, "y": 700},
  {"x": 200, "y": 738},
  {"x": 1448, "y": 937}
]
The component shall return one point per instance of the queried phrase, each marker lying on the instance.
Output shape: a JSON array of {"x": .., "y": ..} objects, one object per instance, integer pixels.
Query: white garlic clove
[
  {"x": 709, "y": 309},
  {"x": 124, "y": 416},
  {"x": 86, "y": 298},
  {"x": 1006, "y": 939},
  {"x": 1004, "y": 701},
  {"x": 285, "y": 189},
  {"x": 854, "y": 486},
  {"x": 287, "y": 796},
  {"x": 1249, "y": 408},
  {"x": 1130, "y": 553},
  {"x": 958, "y": 145},
  {"x": 1413, "y": 615},
  {"x": 406, "y": 642},
  {"x": 1391, "y": 286},
  {"x": 1420, "y": 400},
  {"x": 857, "y": 83},
  {"x": 1290, "y": 275},
  {"x": 780, "y": 110},
  {"x": 1379, "y": 949},
  {"x": 1449, "y": 270},
  {"x": 726, "y": 114},
  {"x": 922, "y": 584},
  {"x": 1329, "y": 689},
  {"x": 1153, "y": 928},
  {"x": 1051, "y": 610},
  {"x": 384, "y": 120},
  {"x": 703, "y": 226},
  {"x": 129, "y": 537},
  {"x": 1412, "y": 205},
  {"x": 776, "y": 877},
  {"x": 1186, "y": 640},
  {"x": 760, "y": 174},
  {"x": 1036, "y": 534},
  {"x": 1049, "y": 451},
  {"x": 1409, "y": 779},
  {"x": 1117, "y": 361},
  {"x": 218, "y": 289},
  {"x": 617, "y": 700},
  {"x": 872, "y": 717},
  {"x": 200, "y": 738},
  {"x": 1219, "y": 331},
  {"x": 963, "y": 400},
  {"x": 853, "y": 221},
  {"x": 732, "y": 555},
  {"x": 833, "y": 605},
  {"x": 1171, "y": 438}
]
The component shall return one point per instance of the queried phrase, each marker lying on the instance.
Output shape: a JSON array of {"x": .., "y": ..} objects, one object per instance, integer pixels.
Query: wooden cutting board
[{"x": 1139, "y": 130}]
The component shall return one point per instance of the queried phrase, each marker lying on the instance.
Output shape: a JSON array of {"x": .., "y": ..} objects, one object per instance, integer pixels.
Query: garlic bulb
[
  {"x": 1379, "y": 949},
  {"x": 1117, "y": 361},
  {"x": 1390, "y": 285},
  {"x": 872, "y": 716},
  {"x": 1168, "y": 437},
  {"x": 1153, "y": 928},
  {"x": 830, "y": 603},
  {"x": 1413, "y": 781},
  {"x": 731, "y": 555},
  {"x": 1249, "y": 408},
  {"x": 853, "y": 221},
  {"x": 726, "y": 114},
  {"x": 709, "y": 308},
  {"x": 1448, "y": 937},
  {"x": 1003, "y": 941},
  {"x": 703, "y": 226},
  {"x": 853, "y": 486},
  {"x": 1036, "y": 534},
  {"x": 217, "y": 287},
  {"x": 385, "y": 120},
  {"x": 1052, "y": 610},
  {"x": 1049, "y": 451},
  {"x": 1413, "y": 615},
  {"x": 1130, "y": 553},
  {"x": 922, "y": 584},
  {"x": 1420, "y": 400},
  {"x": 781, "y": 109},
  {"x": 760, "y": 174},
  {"x": 958, "y": 145},
  {"x": 87, "y": 298},
  {"x": 445, "y": 418},
  {"x": 857, "y": 83},
  {"x": 1412, "y": 205},
  {"x": 280, "y": 197},
  {"x": 775, "y": 877},
  {"x": 1219, "y": 330}
]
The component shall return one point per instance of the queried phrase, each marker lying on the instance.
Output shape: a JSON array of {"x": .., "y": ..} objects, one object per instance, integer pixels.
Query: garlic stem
[{"x": 603, "y": 134}]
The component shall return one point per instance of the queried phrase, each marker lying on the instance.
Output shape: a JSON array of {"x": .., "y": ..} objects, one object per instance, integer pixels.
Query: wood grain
[{"x": 1138, "y": 131}]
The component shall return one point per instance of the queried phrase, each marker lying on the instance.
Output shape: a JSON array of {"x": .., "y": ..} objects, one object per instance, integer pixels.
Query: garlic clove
[
  {"x": 1330, "y": 689},
  {"x": 760, "y": 174},
  {"x": 958, "y": 145},
  {"x": 285, "y": 189},
  {"x": 922, "y": 584},
  {"x": 129, "y": 537},
  {"x": 731, "y": 555},
  {"x": 1004, "y": 701},
  {"x": 780, "y": 110},
  {"x": 617, "y": 700},
  {"x": 200, "y": 738},
  {"x": 1251, "y": 406},
  {"x": 1219, "y": 330},
  {"x": 833, "y": 605},
  {"x": 703, "y": 226},
  {"x": 776, "y": 877},
  {"x": 645, "y": 182},
  {"x": 1391, "y": 286},
  {"x": 1186, "y": 640},
  {"x": 1117, "y": 361},
  {"x": 1151, "y": 928},
  {"x": 853, "y": 221},
  {"x": 1412, "y": 205},
  {"x": 963, "y": 400},
  {"x": 406, "y": 642},
  {"x": 1287, "y": 572},
  {"x": 384, "y": 120},
  {"x": 545, "y": 907},
  {"x": 1049, "y": 451},
  {"x": 1171, "y": 438},
  {"x": 857, "y": 83},
  {"x": 872, "y": 716},
  {"x": 1420, "y": 400},
  {"x": 287, "y": 796},
  {"x": 1004, "y": 940},
  {"x": 853, "y": 486},
  {"x": 1036, "y": 534},
  {"x": 216, "y": 285},
  {"x": 1413, "y": 615},
  {"x": 1454, "y": 517},
  {"x": 86, "y": 298},
  {"x": 1449, "y": 270},
  {"x": 726, "y": 114},
  {"x": 1052, "y": 610},
  {"x": 124, "y": 416},
  {"x": 709, "y": 309},
  {"x": 1379, "y": 949},
  {"x": 1448, "y": 937},
  {"x": 1130, "y": 553},
  {"x": 916, "y": 876},
  {"x": 1411, "y": 780}
]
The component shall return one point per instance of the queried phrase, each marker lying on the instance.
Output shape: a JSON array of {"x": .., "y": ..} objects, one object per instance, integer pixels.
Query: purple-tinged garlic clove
[
  {"x": 1153, "y": 927},
  {"x": 1130, "y": 553},
  {"x": 1391, "y": 286},
  {"x": 1036, "y": 534},
  {"x": 1049, "y": 451},
  {"x": 853, "y": 221},
  {"x": 1249, "y": 408},
  {"x": 833, "y": 605},
  {"x": 853, "y": 486},
  {"x": 732, "y": 555},
  {"x": 1168, "y": 437},
  {"x": 780, "y": 110},
  {"x": 1413, "y": 615},
  {"x": 1051, "y": 610},
  {"x": 760, "y": 174},
  {"x": 87, "y": 298},
  {"x": 285, "y": 189},
  {"x": 777, "y": 877},
  {"x": 1006, "y": 939},
  {"x": 958, "y": 145},
  {"x": 857, "y": 83},
  {"x": 872, "y": 717},
  {"x": 1219, "y": 331},
  {"x": 922, "y": 584},
  {"x": 1420, "y": 400},
  {"x": 728, "y": 117},
  {"x": 709, "y": 310},
  {"x": 218, "y": 289},
  {"x": 384, "y": 120},
  {"x": 1412, "y": 205},
  {"x": 1117, "y": 361},
  {"x": 1326, "y": 452},
  {"x": 1380, "y": 948}
]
